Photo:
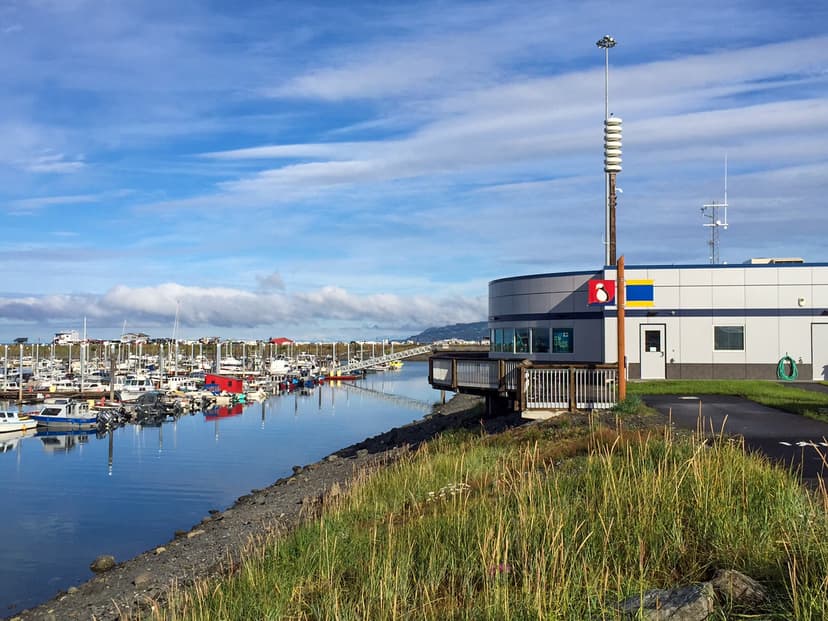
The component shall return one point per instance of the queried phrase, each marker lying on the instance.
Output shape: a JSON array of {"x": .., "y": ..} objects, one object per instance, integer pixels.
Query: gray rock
[
  {"x": 690, "y": 603},
  {"x": 142, "y": 579},
  {"x": 362, "y": 452},
  {"x": 332, "y": 458},
  {"x": 733, "y": 587},
  {"x": 160, "y": 550},
  {"x": 103, "y": 563},
  {"x": 72, "y": 590},
  {"x": 297, "y": 469}
]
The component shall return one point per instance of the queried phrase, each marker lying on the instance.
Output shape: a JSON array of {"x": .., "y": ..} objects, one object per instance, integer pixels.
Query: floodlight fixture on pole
[{"x": 605, "y": 43}]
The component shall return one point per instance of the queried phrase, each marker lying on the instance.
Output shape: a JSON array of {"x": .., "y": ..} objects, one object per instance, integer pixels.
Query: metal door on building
[
  {"x": 653, "y": 360},
  {"x": 819, "y": 351}
]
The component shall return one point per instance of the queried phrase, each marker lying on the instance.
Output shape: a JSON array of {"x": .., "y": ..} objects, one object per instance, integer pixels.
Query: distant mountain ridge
[{"x": 466, "y": 331}]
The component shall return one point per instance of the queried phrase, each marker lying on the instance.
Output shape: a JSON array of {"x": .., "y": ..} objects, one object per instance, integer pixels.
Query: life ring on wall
[{"x": 781, "y": 369}]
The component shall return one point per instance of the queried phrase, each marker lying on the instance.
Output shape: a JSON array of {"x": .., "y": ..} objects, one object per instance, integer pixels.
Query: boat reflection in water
[
  {"x": 223, "y": 412},
  {"x": 216, "y": 414},
  {"x": 11, "y": 439},
  {"x": 63, "y": 440}
]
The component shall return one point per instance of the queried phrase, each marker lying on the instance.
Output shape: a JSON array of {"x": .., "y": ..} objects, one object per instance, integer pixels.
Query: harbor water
[{"x": 70, "y": 497}]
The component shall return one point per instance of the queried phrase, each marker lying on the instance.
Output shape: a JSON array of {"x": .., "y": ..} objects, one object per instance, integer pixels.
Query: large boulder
[
  {"x": 103, "y": 563},
  {"x": 690, "y": 603},
  {"x": 737, "y": 589}
]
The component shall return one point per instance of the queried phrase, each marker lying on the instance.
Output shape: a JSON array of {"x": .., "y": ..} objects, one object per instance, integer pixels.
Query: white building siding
[{"x": 776, "y": 305}]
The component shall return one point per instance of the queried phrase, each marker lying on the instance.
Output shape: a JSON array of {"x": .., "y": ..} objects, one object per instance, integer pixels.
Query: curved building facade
[{"x": 682, "y": 322}]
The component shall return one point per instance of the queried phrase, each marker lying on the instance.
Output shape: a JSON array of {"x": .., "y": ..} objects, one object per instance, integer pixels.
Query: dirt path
[{"x": 214, "y": 544}]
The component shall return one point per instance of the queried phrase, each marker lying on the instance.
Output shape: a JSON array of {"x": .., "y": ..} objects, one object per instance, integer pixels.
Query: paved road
[{"x": 784, "y": 437}]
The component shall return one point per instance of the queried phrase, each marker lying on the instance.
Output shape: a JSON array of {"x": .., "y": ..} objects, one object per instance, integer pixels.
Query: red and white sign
[{"x": 601, "y": 292}]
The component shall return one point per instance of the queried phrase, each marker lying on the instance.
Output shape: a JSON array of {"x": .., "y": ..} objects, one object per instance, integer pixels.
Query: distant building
[
  {"x": 65, "y": 338},
  {"x": 135, "y": 338},
  {"x": 281, "y": 341}
]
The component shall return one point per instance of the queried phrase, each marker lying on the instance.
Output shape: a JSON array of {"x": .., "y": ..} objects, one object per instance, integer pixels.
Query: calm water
[{"x": 65, "y": 503}]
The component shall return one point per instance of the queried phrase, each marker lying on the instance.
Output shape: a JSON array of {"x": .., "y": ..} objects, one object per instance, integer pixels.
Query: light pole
[{"x": 607, "y": 42}]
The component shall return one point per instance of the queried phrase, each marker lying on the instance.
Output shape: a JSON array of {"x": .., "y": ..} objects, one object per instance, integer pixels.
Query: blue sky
[{"x": 353, "y": 170}]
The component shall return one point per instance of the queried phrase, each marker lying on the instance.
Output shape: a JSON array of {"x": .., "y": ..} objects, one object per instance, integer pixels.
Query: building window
[
  {"x": 562, "y": 341},
  {"x": 522, "y": 340},
  {"x": 508, "y": 344},
  {"x": 503, "y": 340},
  {"x": 729, "y": 338},
  {"x": 540, "y": 340}
]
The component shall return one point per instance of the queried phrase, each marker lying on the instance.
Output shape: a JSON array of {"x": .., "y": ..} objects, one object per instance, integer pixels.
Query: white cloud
[
  {"x": 54, "y": 163},
  {"x": 225, "y": 307}
]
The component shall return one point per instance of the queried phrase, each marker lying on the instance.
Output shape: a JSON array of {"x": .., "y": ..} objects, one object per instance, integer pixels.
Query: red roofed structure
[{"x": 281, "y": 341}]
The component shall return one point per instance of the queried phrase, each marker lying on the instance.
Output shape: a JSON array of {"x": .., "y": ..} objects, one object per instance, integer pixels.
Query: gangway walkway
[{"x": 370, "y": 362}]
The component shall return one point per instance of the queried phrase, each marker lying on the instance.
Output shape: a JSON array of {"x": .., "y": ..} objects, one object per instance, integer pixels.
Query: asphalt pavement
[{"x": 790, "y": 439}]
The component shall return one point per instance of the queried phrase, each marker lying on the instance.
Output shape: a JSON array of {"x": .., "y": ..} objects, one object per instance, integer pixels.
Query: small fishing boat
[
  {"x": 12, "y": 420},
  {"x": 134, "y": 387},
  {"x": 66, "y": 414}
]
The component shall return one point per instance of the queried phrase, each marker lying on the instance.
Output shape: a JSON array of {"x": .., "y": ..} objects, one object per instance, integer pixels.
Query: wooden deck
[{"x": 537, "y": 390}]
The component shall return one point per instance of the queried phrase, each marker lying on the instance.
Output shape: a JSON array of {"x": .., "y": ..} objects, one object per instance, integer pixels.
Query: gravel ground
[{"x": 216, "y": 543}]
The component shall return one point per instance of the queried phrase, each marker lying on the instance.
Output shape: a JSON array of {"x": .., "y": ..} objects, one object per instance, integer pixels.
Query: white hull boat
[
  {"x": 66, "y": 414},
  {"x": 11, "y": 420}
]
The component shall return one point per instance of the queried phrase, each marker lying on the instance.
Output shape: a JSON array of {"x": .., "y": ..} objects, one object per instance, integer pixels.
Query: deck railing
[{"x": 532, "y": 386}]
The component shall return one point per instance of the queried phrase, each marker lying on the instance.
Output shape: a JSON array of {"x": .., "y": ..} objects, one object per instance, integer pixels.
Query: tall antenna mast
[{"x": 712, "y": 212}]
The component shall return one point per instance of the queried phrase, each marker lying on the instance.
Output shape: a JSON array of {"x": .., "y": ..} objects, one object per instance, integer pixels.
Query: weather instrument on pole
[{"x": 716, "y": 215}]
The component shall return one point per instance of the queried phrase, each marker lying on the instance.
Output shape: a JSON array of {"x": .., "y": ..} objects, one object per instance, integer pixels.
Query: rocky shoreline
[{"x": 214, "y": 545}]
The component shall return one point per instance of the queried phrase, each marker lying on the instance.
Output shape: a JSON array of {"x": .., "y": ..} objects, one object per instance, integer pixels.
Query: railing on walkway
[
  {"x": 532, "y": 386},
  {"x": 346, "y": 369}
]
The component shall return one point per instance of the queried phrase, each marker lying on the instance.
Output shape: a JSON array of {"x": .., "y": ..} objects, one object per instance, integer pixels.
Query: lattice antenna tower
[{"x": 716, "y": 215}]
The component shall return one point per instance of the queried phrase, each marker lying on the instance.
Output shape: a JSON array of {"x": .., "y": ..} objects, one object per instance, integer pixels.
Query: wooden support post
[
  {"x": 522, "y": 388},
  {"x": 454, "y": 374},
  {"x": 621, "y": 300},
  {"x": 573, "y": 401}
]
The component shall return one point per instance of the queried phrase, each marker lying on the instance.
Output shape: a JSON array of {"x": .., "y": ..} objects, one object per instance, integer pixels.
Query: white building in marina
[
  {"x": 64, "y": 338},
  {"x": 682, "y": 322}
]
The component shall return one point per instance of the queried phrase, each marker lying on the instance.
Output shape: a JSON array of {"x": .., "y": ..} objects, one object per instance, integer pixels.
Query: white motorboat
[
  {"x": 66, "y": 414},
  {"x": 134, "y": 387},
  {"x": 12, "y": 420}
]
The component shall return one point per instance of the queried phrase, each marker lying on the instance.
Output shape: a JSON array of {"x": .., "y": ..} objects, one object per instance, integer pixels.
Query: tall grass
[{"x": 541, "y": 523}]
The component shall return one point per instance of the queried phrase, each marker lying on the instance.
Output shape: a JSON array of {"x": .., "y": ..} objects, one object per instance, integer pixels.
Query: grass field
[{"x": 554, "y": 520}]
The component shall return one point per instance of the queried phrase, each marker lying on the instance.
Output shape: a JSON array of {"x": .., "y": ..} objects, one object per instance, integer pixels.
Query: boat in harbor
[
  {"x": 12, "y": 420},
  {"x": 66, "y": 414},
  {"x": 134, "y": 387}
]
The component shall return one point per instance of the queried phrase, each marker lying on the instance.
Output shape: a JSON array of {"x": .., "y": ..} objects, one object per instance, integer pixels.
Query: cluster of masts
[{"x": 108, "y": 369}]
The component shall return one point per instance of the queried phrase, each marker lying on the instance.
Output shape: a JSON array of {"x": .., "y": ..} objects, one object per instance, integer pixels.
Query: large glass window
[
  {"x": 508, "y": 341},
  {"x": 562, "y": 341},
  {"x": 540, "y": 340},
  {"x": 493, "y": 340},
  {"x": 522, "y": 340},
  {"x": 729, "y": 338}
]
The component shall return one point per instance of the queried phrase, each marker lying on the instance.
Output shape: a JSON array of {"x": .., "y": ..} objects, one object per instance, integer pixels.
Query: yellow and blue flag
[{"x": 639, "y": 293}]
